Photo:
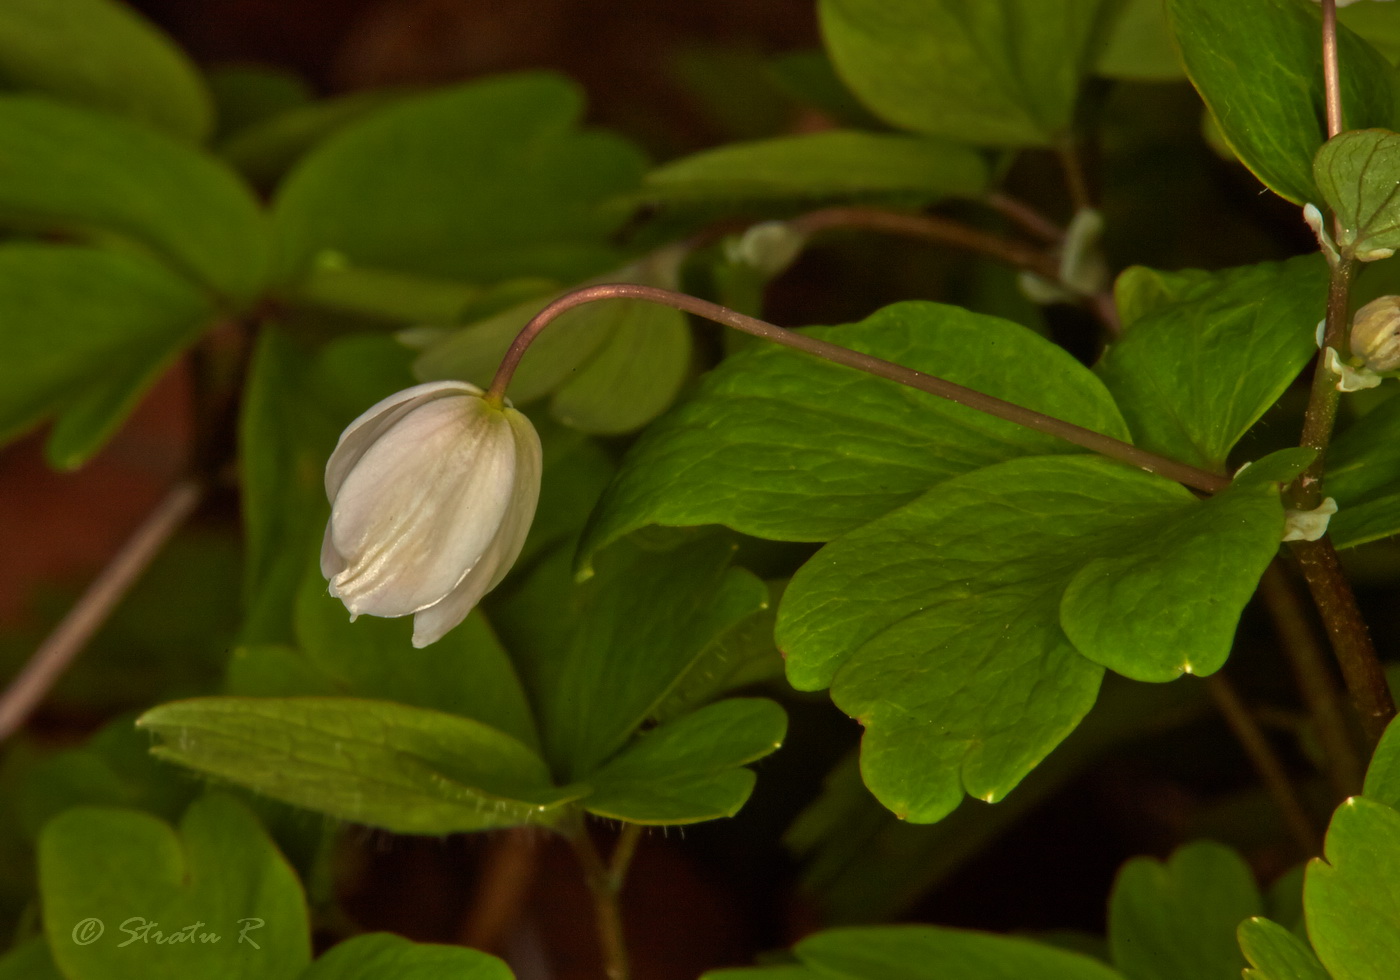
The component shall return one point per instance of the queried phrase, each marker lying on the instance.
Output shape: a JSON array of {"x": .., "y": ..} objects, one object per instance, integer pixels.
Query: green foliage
[
  {"x": 984, "y": 576},
  {"x": 1362, "y": 472},
  {"x": 76, "y": 172},
  {"x": 1358, "y": 175},
  {"x": 410, "y": 770},
  {"x": 690, "y": 769},
  {"x": 1274, "y": 953},
  {"x": 1206, "y": 354},
  {"x": 217, "y": 869},
  {"x": 781, "y": 445},
  {"x": 1177, "y": 920},
  {"x": 1003, "y": 74},
  {"x": 925, "y": 953},
  {"x": 480, "y": 182},
  {"x": 1351, "y": 898},
  {"x": 384, "y": 956},
  {"x": 840, "y": 164},
  {"x": 1258, "y": 66},
  {"x": 101, "y": 54},
  {"x": 87, "y": 333},
  {"x": 606, "y": 656}
]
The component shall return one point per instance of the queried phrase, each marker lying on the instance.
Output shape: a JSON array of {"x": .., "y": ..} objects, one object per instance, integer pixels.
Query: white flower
[{"x": 432, "y": 492}]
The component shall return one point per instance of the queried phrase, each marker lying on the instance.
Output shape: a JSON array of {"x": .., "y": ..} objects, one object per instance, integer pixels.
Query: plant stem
[
  {"x": 503, "y": 886},
  {"x": 1351, "y": 640},
  {"x": 605, "y": 884},
  {"x": 1027, "y": 217},
  {"x": 1316, "y": 684},
  {"x": 96, "y": 604},
  {"x": 1321, "y": 414},
  {"x": 1331, "y": 72},
  {"x": 1096, "y": 441},
  {"x": 1265, "y": 761},
  {"x": 931, "y": 228},
  {"x": 1075, "y": 179}
]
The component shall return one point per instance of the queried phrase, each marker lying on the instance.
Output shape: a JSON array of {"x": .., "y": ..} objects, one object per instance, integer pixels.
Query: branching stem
[
  {"x": 1191, "y": 476},
  {"x": 605, "y": 883}
]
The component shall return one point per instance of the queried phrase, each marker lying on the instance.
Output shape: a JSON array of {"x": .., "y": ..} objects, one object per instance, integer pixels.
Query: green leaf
[
  {"x": 633, "y": 377},
  {"x": 1378, "y": 23},
  {"x": 782, "y": 971},
  {"x": 1206, "y": 354},
  {"x": 782, "y": 445},
  {"x": 861, "y": 864},
  {"x": 1358, "y": 174},
  {"x": 1177, "y": 919},
  {"x": 1138, "y": 43},
  {"x": 938, "y": 626},
  {"x": 385, "y": 956},
  {"x": 408, "y": 770},
  {"x": 71, "y": 171},
  {"x": 1383, "y": 771},
  {"x": 740, "y": 656},
  {"x": 1353, "y": 898},
  {"x": 1363, "y": 469},
  {"x": 610, "y": 367},
  {"x": 114, "y": 768},
  {"x": 1258, "y": 66},
  {"x": 832, "y": 164},
  {"x": 604, "y": 657},
  {"x": 1139, "y": 610},
  {"x": 266, "y": 149},
  {"x": 248, "y": 94},
  {"x": 810, "y": 78},
  {"x": 689, "y": 770},
  {"x": 294, "y": 405},
  {"x": 576, "y": 469},
  {"x": 931, "y": 953},
  {"x": 1274, "y": 953},
  {"x": 102, "y": 54},
  {"x": 218, "y": 874},
  {"x": 86, "y": 333},
  {"x": 480, "y": 182},
  {"x": 29, "y": 961},
  {"x": 466, "y": 673},
  {"x": 1003, "y": 73}
]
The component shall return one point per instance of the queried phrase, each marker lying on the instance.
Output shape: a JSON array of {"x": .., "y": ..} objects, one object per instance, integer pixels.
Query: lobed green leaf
[
  {"x": 785, "y": 446},
  {"x": 1258, "y": 65},
  {"x": 1003, "y": 73}
]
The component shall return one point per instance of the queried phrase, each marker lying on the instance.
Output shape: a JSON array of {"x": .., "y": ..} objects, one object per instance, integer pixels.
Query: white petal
[
  {"x": 331, "y": 562},
  {"x": 360, "y": 434},
  {"x": 417, "y": 511},
  {"x": 430, "y": 624}
]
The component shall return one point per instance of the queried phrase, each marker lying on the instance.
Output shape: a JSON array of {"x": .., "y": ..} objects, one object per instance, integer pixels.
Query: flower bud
[
  {"x": 1375, "y": 333},
  {"x": 432, "y": 492}
]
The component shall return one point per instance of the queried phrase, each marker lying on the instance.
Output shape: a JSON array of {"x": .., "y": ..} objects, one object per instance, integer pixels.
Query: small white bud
[
  {"x": 1375, "y": 334},
  {"x": 1313, "y": 217},
  {"x": 432, "y": 493}
]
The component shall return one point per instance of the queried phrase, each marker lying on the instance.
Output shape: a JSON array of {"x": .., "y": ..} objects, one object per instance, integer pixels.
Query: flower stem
[
  {"x": 1331, "y": 73},
  {"x": 89, "y": 613},
  {"x": 605, "y": 883},
  {"x": 1191, "y": 476},
  {"x": 1316, "y": 684},
  {"x": 1265, "y": 761},
  {"x": 932, "y": 228}
]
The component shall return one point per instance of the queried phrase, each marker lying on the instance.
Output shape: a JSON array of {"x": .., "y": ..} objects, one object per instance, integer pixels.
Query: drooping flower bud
[
  {"x": 1375, "y": 334},
  {"x": 432, "y": 492}
]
